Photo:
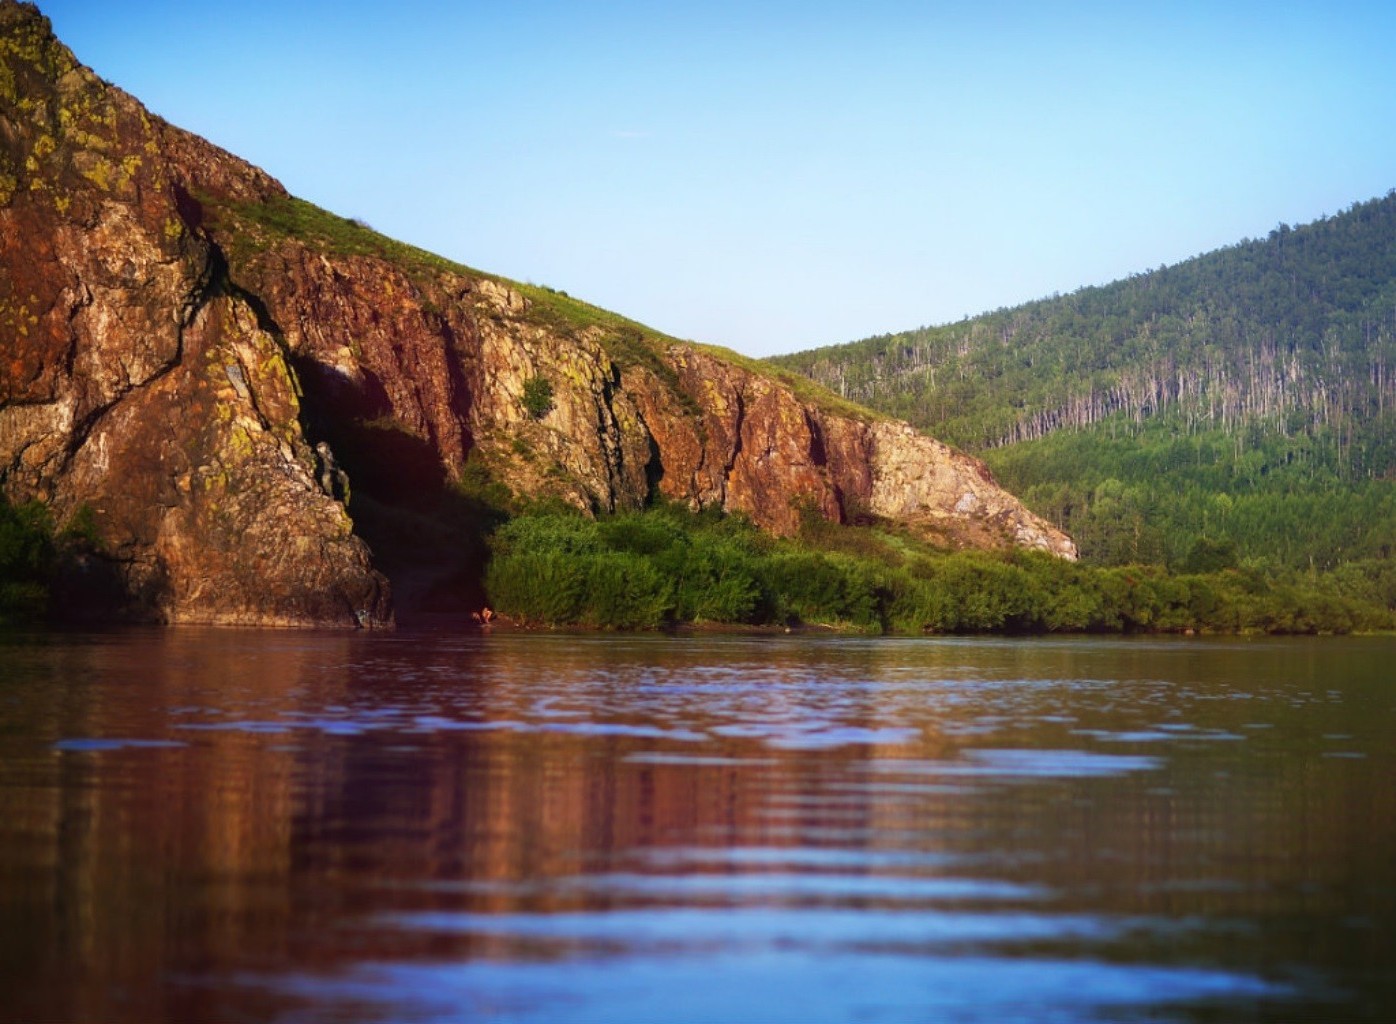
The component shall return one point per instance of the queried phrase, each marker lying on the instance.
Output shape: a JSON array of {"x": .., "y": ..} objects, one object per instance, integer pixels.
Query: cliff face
[
  {"x": 196, "y": 357},
  {"x": 135, "y": 381}
]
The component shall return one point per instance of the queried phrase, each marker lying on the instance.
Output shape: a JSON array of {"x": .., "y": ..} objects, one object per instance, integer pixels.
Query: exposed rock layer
[
  {"x": 182, "y": 341},
  {"x": 135, "y": 381}
]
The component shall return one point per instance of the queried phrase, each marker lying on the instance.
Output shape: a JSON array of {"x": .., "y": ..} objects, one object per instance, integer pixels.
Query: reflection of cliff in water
[
  {"x": 151, "y": 856},
  {"x": 324, "y": 784},
  {"x": 258, "y": 803}
]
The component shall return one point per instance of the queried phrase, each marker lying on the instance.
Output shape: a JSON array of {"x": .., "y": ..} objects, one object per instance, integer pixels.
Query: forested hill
[
  {"x": 1293, "y": 330},
  {"x": 1234, "y": 408}
]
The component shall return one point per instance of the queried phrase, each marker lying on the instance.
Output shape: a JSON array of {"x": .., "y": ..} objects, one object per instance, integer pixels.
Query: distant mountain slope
[
  {"x": 1294, "y": 330},
  {"x": 1264, "y": 372}
]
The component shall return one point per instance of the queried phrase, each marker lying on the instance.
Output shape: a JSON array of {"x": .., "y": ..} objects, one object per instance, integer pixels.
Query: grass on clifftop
[
  {"x": 626, "y": 341},
  {"x": 289, "y": 217},
  {"x": 803, "y": 387}
]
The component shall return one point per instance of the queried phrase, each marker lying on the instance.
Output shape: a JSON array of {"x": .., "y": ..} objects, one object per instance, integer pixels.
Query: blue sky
[{"x": 777, "y": 176}]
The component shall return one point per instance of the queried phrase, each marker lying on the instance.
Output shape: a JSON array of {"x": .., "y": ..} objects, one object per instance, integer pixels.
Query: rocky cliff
[{"x": 216, "y": 372}]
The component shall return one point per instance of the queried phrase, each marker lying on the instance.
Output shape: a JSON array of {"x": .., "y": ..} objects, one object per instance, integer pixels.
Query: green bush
[
  {"x": 713, "y": 582},
  {"x": 538, "y": 397},
  {"x": 624, "y": 591},
  {"x": 543, "y": 587},
  {"x": 814, "y": 587},
  {"x": 673, "y": 565},
  {"x": 27, "y": 560}
]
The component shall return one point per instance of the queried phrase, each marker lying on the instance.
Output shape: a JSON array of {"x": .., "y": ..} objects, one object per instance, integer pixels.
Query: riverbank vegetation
[
  {"x": 48, "y": 571},
  {"x": 27, "y": 560},
  {"x": 670, "y": 566}
]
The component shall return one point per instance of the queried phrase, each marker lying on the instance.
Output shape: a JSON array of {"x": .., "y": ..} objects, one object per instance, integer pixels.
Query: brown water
[{"x": 249, "y": 826}]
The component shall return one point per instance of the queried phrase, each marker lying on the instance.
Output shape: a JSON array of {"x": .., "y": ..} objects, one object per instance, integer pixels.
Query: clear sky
[{"x": 775, "y": 176}]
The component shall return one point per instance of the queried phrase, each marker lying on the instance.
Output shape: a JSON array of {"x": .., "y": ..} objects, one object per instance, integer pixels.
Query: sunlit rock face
[
  {"x": 196, "y": 358},
  {"x": 136, "y": 380}
]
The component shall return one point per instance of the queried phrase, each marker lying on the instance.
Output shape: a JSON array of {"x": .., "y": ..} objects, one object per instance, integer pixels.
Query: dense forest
[{"x": 1236, "y": 408}]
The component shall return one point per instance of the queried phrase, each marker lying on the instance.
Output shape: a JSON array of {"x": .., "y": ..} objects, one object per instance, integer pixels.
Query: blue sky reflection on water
[{"x": 779, "y": 986}]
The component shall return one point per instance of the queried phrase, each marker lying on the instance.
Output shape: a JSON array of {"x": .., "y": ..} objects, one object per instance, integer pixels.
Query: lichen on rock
[{"x": 112, "y": 392}]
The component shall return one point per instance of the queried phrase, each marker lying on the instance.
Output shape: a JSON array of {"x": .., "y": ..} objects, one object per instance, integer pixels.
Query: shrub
[
  {"x": 810, "y": 586},
  {"x": 565, "y": 532},
  {"x": 714, "y": 581},
  {"x": 543, "y": 587},
  {"x": 624, "y": 591},
  {"x": 27, "y": 560},
  {"x": 641, "y": 534},
  {"x": 538, "y": 397}
]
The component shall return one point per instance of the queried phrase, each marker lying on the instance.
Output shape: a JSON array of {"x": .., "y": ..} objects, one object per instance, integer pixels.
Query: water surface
[{"x": 420, "y": 827}]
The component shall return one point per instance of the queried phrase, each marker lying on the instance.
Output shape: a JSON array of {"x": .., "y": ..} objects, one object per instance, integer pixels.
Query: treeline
[
  {"x": 1296, "y": 331},
  {"x": 671, "y": 567}
]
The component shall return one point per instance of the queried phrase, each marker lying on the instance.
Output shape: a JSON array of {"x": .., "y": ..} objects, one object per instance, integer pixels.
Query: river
[{"x": 248, "y": 825}]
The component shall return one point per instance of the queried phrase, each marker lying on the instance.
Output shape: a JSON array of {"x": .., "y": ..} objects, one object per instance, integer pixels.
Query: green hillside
[{"x": 1239, "y": 407}]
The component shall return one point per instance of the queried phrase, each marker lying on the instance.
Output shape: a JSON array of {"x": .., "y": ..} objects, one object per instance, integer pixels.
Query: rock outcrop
[
  {"x": 211, "y": 368},
  {"x": 135, "y": 380}
]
